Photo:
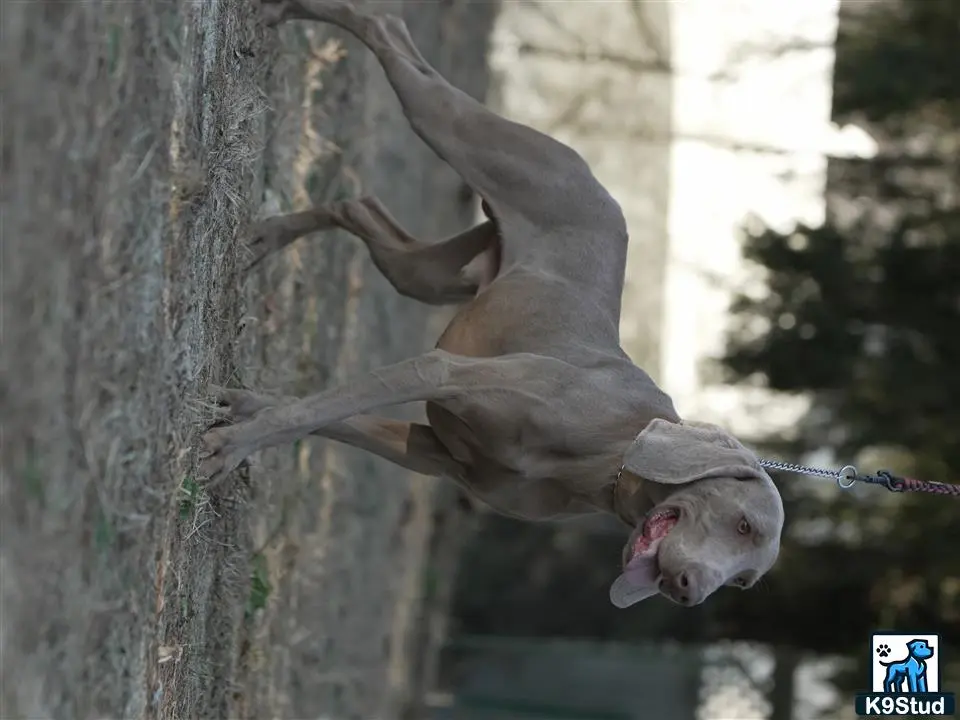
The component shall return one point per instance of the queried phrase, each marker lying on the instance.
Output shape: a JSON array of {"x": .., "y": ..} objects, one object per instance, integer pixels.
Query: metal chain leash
[{"x": 847, "y": 476}]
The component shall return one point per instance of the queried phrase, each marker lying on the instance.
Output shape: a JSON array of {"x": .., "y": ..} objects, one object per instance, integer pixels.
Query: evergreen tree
[{"x": 863, "y": 315}]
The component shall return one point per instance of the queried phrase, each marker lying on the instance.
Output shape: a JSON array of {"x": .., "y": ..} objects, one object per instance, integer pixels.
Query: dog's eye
[
  {"x": 740, "y": 583},
  {"x": 744, "y": 527}
]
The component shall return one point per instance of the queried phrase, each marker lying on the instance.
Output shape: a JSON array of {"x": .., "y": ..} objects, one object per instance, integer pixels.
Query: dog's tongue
[{"x": 638, "y": 581}]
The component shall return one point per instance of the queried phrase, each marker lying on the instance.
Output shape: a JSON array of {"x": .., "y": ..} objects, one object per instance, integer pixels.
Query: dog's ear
[{"x": 679, "y": 453}]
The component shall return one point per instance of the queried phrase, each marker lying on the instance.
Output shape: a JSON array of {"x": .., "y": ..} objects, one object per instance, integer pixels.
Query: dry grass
[
  {"x": 126, "y": 182},
  {"x": 133, "y": 156}
]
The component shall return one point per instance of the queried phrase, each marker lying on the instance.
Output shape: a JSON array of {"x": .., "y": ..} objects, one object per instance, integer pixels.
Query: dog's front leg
[
  {"x": 410, "y": 445},
  {"x": 433, "y": 376}
]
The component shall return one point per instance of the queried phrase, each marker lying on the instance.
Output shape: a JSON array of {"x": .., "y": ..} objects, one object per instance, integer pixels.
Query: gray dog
[{"x": 533, "y": 407}]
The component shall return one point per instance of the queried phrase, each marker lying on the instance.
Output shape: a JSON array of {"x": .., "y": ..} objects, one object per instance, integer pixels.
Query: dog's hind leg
[
  {"x": 515, "y": 168},
  {"x": 447, "y": 272}
]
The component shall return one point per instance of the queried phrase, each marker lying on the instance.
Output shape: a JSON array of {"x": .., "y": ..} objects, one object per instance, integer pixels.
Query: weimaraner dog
[{"x": 533, "y": 407}]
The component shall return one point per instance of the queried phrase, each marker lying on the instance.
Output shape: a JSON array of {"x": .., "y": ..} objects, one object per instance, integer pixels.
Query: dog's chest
[
  {"x": 518, "y": 466},
  {"x": 544, "y": 438},
  {"x": 514, "y": 445}
]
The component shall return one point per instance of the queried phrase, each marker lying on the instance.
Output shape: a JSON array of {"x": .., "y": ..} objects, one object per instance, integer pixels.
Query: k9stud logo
[{"x": 905, "y": 677}]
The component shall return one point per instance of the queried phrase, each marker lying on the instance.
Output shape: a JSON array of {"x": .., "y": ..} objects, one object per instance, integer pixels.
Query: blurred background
[{"x": 789, "y": 173}]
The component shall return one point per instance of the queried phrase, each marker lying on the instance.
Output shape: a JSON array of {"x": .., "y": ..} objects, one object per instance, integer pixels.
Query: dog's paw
[
  {"x": 221, "y": 455},
  {"x": 222, "y": 448},
  {"x": 267, "y": 237},
  {"x": 236, "y": 405},
  {"x": 883, "y": 650}
]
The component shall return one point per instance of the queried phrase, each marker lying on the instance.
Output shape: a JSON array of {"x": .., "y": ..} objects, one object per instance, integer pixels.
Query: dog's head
[
  {"x": 716, "y": 517},
  {"x": 920, "y": 649}
]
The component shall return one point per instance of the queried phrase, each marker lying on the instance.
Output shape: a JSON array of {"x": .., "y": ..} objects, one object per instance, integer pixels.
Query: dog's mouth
[
  {"x": 641, "y": 568},
  {"x": 655, "y": 528}
]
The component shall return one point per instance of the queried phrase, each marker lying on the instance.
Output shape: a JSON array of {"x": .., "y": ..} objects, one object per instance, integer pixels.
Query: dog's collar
[{"x": 624, "y": 487}]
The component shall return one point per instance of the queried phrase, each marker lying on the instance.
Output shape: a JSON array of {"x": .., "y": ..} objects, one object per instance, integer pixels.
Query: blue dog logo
[{"x": 912, "y": 670}]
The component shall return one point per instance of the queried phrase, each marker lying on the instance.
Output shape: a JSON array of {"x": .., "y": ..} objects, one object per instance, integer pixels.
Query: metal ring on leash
[{"x": 847, "y": 473}]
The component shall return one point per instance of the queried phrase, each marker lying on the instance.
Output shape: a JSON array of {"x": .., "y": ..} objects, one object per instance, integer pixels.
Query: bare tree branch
[
  {"x": 628, "y": 62},
  {"x": 721, "y": 141},
  {"x": 774, "y": 49},
  {"x": 649, "y": 35},
  {"x": 571, "y": 115},
  {"x": 783, "y": 47},
  {"x": 553, "y": 21},
  {"x": 878, "y": 164}
]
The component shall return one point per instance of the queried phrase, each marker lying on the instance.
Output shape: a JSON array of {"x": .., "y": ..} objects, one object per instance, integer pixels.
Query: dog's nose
[{"x": 682, "y": 588}]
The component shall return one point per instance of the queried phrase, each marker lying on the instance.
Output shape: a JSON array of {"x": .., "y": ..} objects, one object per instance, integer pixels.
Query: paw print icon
[{"x": 883, "y": 650}]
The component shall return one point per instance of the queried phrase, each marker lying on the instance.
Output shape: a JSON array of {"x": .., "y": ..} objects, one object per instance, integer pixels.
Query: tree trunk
[{"x": 786, "y": 661}]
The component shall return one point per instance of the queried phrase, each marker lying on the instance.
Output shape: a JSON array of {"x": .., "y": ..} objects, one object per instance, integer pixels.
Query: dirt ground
[{"x": 139, "y": 140}]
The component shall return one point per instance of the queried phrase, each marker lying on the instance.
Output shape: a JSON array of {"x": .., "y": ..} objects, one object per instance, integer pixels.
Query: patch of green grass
[
  {"x": 104, "y": 533},
  {"x": 32, "y": 475},
  {"x": 302, "y": 42},
  {"x": 319, "y": 179},
  {"x": 431, "y": 581},
  {"x": 259, "y": 585},
  {"x": 170, "y": 30},
  {"x": 191, "y": 497},
  {"x": 113, "y": 48}
]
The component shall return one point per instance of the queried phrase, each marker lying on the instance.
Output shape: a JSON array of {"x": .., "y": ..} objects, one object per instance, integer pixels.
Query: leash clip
[{"x": 891, "y": 481}]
